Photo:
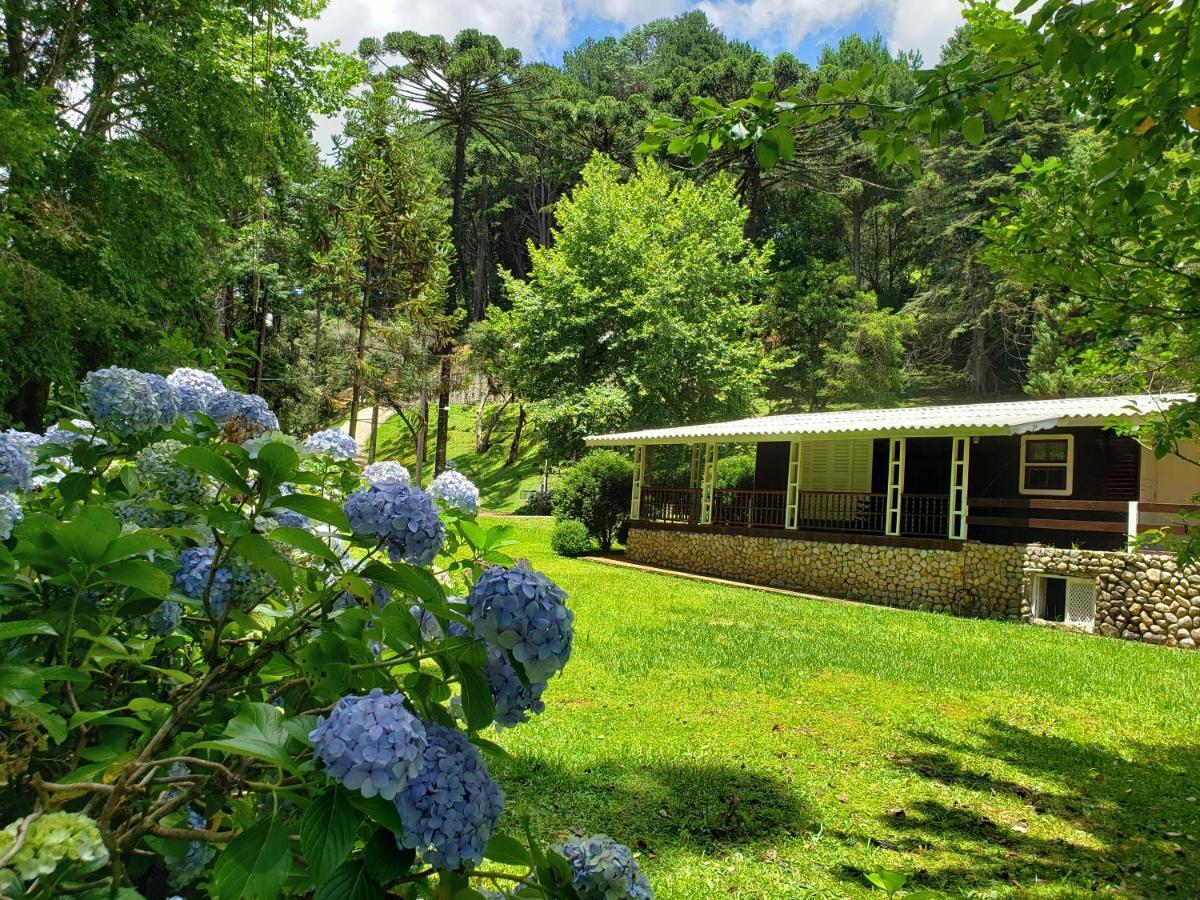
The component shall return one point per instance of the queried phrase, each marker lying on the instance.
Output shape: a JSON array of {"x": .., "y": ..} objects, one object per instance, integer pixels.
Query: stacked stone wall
[{"x": 1138, "y": 596}]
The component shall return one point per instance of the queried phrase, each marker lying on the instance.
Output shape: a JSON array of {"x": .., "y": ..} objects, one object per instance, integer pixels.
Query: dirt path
[{"x": 363, "y": 432}]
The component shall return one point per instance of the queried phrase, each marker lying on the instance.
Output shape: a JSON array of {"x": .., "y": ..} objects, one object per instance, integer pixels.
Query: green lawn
[
  {"x": 750, "y": 744},
  {"x": 499, "y": 485}
]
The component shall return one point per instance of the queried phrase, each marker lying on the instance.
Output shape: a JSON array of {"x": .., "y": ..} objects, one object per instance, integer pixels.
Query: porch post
[
  {"x": 895, "y": 488},
  {"x": 1132, "y": 520},
  {"x": 792, "y": 508},
  {"x": 639, "y": 476},
  {"x": 708, "y": 483},
  {"x": 960, "y": 466},
  {"x": 697, "y": 471}
]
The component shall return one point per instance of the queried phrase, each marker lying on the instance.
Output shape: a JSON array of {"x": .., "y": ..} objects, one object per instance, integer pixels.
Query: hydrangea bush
[{"x": 206, "y": 691}]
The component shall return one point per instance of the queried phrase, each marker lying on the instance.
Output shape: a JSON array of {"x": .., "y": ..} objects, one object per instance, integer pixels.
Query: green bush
[
  {"x": 596, "y": 492},
  {"x": 735, "y": 472},
  {"x": 570, "y": 538}
]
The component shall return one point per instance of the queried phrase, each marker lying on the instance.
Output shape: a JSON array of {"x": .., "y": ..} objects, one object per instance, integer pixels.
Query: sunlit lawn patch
[{"x": 758, "y": 745}]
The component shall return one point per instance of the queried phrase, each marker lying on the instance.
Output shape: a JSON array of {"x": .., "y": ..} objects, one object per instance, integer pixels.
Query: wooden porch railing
[
  {"x": 840, "y": 511},
  {"x": 670, "y": 504},
  {"x": 925, "y": 515},
  {"x": 748, "y": 508}
]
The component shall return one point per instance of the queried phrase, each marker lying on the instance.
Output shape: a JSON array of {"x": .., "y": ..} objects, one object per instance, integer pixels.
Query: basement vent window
[{"x": 1071, "y": 601}]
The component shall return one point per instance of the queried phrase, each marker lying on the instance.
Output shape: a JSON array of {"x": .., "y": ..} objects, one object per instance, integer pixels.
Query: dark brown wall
[{"x": 771, "y": 466}]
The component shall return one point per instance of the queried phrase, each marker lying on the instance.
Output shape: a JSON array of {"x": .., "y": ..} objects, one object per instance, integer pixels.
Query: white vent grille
[{"x": 1081, "y": 602}]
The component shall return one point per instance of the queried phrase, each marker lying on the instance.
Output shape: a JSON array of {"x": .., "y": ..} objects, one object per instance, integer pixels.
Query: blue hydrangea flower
[
  {"x": 162, "y": 478},
  {"x": 332, "y": 442},
  {"x": 16, "y": 467},
  {"x": 10, "y": 515},
  {"x": 456, "y": 491},
  {"x": 514, "y": 700},
  {"x": 192, "y": 576},
  {"x": 386, "y": 472},
  {"x": 196, "y": 858},
  {"x": 165, "y": 619},
  {"x": 450, "y": 807},
  {"x": 400, "y": 515},
  {"x": 290, "y": 518},
  {"x": 524, "y": 611},
  {"x": 129, "y": 401},
  {"x": 195, "y": 389},
  {"x": 602, "y": 869},
  {"x": 250, "y": 409},
  {"x": 371, "y": 744},
  {"x": 80, "y": 430}
]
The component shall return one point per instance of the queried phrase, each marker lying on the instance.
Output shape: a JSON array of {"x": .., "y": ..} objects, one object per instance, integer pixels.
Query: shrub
[
  {"x": 735, "y": 472},
  {"x": 222, "y": 699},
  {"x": 570, "y": 538},
  {"x": 538, "y": 503},
  {"x": 596, "y": 492}
]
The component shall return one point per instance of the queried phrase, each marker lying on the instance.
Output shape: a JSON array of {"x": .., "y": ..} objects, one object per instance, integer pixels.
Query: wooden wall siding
[
  {"x": 996, "y": 465},
  {"x": 927, "y": 466}
]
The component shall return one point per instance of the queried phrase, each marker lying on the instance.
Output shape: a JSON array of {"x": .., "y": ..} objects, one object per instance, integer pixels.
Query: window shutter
[{"x": 836, "y": 465}]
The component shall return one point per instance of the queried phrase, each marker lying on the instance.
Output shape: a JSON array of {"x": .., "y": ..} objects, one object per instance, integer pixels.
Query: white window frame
[
  {"x": 1040, "y": 580},
  {"x": 1026, "y": 439}
]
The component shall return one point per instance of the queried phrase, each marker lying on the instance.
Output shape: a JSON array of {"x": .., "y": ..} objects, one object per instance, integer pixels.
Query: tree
[
  {"x": 471, "y": 85},
  {"x": 131, "y": 132},
  {"x": 595, "y": 491},
  {"x": 648, "y": 288}
]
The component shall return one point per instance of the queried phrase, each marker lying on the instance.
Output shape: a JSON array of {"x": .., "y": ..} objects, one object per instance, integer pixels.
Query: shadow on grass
[
  {"x": 661, "y": 806},
  {"x": 1129, "y": 822}
]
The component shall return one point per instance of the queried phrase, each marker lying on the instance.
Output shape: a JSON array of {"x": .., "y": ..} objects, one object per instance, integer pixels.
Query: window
[
  {"x": 836, "y": 465},
  {"x": 1046, "y": 464},
  {"x": 1071, "y": 601}
]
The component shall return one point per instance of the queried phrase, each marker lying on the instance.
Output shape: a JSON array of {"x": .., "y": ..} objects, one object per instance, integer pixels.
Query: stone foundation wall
[{"x": 1138, "y": 596}]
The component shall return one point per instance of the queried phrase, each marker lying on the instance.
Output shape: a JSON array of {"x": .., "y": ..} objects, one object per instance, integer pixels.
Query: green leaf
[
  {"x": 767, "y": 153},
  {"x": 972, "y": 129},
  {"x": 88, "y": 535},
  {"x": 410, "y": 579},
  {"x": 887, "y": 880},
  {"x": 133, "y": 544},
  {"x": 998, "y": 107},
  {"x": 785, "y": 141},
  {"x": 212, "y": 463},
  {"x": 258, "y": 732},
  {"x": 507, "y": 851},
  {"x": 22, "y": 627},
  {"x": 479, "y": 706},
  {"x": 275, "y": 464},
  {"x": 314, "y": 507},
  {"x": 351, "y": 881},
  {"x": 139, "y": 574},
  {"x": 256, "y": 863},
  {"x": 75, "y": 487},
  {"x": 258, "y": 550},
  {"x": 20, "y": 684},
  {"x": 327, "y": 833},
  {"x": 385, "y": 861},
  {"x": 382, "y": 812},
  {"x": 302, "y": 540}
]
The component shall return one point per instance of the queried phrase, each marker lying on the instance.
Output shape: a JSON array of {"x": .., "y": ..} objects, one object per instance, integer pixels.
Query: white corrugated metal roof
[{"x": 1014, "y": 417}]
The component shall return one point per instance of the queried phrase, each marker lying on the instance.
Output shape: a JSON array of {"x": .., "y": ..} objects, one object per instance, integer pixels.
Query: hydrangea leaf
[
  {"x": 258, "y": 550},
  {"x": 88, "y": 535},
  {"x": 304, "y": 541},
  {"x": 212, "y": 463},
  {"x": 351, "y": 881},
  {"x": 256, "y": 863},
  {"x": 327, "y": 833},
  {"x": 507, "y": 850},
  {"x": 478, "y": 705},
  {"x": 22, "y": 627},
  {"x": 408, "y": 578},
  {"x": 314, "y": 507},
  {"x": 385, "y": 861},
  {"x": 140, "y": 574},
  {"x": 258, "y": 732},
  {"x": 381, "y": 811}
]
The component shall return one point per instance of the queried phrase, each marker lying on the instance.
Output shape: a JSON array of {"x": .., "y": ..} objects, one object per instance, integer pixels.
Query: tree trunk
[
  {"x": 261, "y": 343},
  {"x": 481, "y": 443},
  {"x": 856, "y": 222},
  {"x": 361, "y": 352},
  {"x": 456, "y": 293},
  {"x": 317, "y": 346},
  {"x": 229, "y": 313},
  {"x": 483, "y": 252},
  {"x": 422, "y": 432},
  {"x": 28, "y": 405},
  {"x": 514, "y": 449},
  {"x": 443, "y": 417},
  {"x": 374, "y": 430}
]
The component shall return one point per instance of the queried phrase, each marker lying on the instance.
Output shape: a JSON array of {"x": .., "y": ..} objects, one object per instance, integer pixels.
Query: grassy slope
[
  {"x": 757, "y": 745},
  {"x": 500, "y": 486}
]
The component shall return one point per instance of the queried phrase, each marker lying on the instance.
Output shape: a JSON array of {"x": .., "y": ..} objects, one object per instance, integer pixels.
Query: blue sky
[{"x": 543, "y": 29}]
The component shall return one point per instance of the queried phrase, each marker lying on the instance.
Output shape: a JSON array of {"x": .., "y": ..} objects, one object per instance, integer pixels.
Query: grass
[
  {"x": 749, "y": 744},
  {"x": 500, "y": 486}
]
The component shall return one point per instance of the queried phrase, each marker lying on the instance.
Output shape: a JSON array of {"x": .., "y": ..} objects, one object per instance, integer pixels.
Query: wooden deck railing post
[
  {"x": 708, "y": 483},
  {"x": 960, "y": 466},
  {"x": 639, "y": 477},
  {"x": 895, "y": 488}
]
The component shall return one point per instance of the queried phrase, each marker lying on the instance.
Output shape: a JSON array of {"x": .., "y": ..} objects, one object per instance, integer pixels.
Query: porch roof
[{"x": 1004, "y": 418}]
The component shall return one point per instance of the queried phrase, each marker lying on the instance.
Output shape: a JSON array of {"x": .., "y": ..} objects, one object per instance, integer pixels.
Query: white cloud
[
  {"x": 922, "y": 25},
  {"x": 535, "y": 27}
]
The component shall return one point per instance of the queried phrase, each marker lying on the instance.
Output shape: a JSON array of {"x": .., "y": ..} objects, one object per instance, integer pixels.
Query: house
[{"x": 1024, "y": 509}]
